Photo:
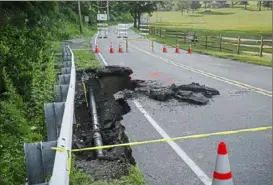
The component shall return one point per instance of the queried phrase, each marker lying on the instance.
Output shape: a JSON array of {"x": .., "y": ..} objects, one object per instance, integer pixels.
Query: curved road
[{"x": 245, "y": 102}]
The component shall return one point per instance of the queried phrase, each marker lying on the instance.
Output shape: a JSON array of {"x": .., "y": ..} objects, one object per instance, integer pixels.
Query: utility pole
[
  {"x": 80, "y": 17},
  {"x": 108, "y": 18}
]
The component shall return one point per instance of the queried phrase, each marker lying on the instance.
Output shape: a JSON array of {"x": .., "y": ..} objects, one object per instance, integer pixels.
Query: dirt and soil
[{"x": 112, "y": 87}]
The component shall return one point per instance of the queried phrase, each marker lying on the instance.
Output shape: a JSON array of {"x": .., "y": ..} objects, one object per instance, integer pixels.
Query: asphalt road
[{"x": 191, "y": 161}]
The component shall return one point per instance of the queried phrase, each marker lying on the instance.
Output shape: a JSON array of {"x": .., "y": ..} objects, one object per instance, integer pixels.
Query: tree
[
  {"x": 244, "y": 3},
  {"x": 137, "y": 8},
  {"x": 195, "y": 5},
  {"x": 182, "y": 5},
  {"x": 267, "y": 4},
  {"x": 166, "y": 5},
  {"x": 259, "y": 5},
  {"x": 205, "y": 3}
]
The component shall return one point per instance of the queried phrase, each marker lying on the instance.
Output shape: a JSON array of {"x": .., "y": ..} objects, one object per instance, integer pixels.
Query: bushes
[{"x": 27, "y": 76}]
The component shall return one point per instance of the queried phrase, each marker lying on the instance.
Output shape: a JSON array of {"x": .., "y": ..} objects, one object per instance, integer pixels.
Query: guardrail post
[
  {"x": 39, "y": 161},
  {"x": 53, "y": 115},
  {"x": 60, "y": 92},
  {"x": 66, "y": 70},
  {"x": 64, "y": 79}
]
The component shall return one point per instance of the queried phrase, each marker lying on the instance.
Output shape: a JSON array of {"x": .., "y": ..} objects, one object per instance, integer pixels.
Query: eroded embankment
[{"x": 111, "y": 87}]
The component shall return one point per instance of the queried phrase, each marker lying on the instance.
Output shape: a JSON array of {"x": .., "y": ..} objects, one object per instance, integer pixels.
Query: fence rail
[
  {"x": 41, "y": 160},
  {"x": 237, "y": 45}
]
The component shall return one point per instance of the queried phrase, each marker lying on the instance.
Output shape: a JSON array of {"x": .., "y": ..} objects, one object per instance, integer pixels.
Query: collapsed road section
[{"x": 100, "y": 104}]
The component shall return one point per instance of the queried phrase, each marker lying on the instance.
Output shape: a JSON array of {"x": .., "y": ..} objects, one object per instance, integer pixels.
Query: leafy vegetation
[
  {"x": 227, "y": 22},
  {"x": 79, "y": 177},
  {"x": 29, "y": 48},
  {"x": 85, "y": 59}
]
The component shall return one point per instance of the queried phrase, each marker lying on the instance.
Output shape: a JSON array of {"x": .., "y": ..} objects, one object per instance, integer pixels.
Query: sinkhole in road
[{"x": 112, "y": 86}]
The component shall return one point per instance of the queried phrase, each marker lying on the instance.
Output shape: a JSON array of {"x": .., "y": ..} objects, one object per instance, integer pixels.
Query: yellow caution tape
[
  {"x": 85, "y": 96},
  {"x": 167, "y": 139},
  {"x": 156, "y": 141},
  {"x": 69, "y": 162}
]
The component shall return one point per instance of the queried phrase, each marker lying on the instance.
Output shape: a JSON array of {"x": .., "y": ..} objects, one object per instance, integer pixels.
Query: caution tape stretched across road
[{"x": 166, "y": 139}]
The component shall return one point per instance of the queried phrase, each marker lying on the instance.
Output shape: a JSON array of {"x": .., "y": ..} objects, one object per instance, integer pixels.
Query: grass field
[
  {"x": 226, "y": 19},
  {"x": 228, "y": 22}
]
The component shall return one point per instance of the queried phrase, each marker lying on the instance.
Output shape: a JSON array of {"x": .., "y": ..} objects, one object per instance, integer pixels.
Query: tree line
[{"x": 182, "y": 5}]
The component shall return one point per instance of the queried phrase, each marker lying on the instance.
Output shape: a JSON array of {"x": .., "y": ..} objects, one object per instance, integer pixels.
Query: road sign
[
  {"x": 102, "y": 17},
  {"x": 86, "y": 19}
]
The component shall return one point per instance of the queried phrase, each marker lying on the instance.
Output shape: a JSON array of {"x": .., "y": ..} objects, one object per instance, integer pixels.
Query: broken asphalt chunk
[{"x": 196, "y": 87}]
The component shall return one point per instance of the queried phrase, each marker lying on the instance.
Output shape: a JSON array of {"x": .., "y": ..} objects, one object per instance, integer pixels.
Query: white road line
[
  {"x": 193, "y": 166},
  {"x": 198, "y": 171},
  {"x": 104, "y": 62},
  {"x": 220, "y": 78}
]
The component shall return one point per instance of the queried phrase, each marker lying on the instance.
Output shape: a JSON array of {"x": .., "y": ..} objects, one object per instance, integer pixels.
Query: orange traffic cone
[
  {"x": 222, "y": 174},
  {"x": 111, "y": 48},
  {"x": 97, "y": 50},
  {"x": 120, "y": 48},
  {"x": 177, "y": 49},
  {"x": 189, "y": 50},
  {"x": 164, "y": 48}
]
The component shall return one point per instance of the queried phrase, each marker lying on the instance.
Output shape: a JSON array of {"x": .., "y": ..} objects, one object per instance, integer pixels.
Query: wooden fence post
[
  {"x": 126, "y": 44},
  {"x": 206, "y": 42},
  {"x": 160, "y": 29},
  {"x": 238, "y": 46},
  {"x": 261, "y": 48},
  {"x": 220, "y": 43}
]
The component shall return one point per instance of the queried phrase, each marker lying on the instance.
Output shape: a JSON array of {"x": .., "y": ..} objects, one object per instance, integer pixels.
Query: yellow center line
[{"x": 220, "y": 78}]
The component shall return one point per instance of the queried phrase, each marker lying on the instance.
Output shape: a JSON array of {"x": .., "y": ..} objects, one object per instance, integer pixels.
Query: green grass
[
  {"x": 227, "y": 22},
  {"x": 79, "y": 177},
  {"x": 231, "y": 20},
  {"x": 265, "y": 61},
  {"x": 85, "y": 59}
]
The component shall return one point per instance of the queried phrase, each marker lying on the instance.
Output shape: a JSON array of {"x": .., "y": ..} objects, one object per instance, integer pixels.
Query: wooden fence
[{"x": 260, "y": 47}]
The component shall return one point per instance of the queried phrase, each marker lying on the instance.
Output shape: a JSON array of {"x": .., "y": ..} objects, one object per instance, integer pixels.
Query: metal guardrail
[{"x": 41, "y": 161}]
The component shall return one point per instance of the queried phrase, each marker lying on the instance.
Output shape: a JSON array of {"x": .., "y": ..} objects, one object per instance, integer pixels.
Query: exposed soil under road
[{"x": 112, "y": 87}]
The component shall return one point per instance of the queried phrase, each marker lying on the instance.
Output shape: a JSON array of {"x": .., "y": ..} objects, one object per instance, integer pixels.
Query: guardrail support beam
[
  {"x": 39, "y": 161},
  {"x": 64, "y": 79},
  {"x": 53, "y": 115},
  {"x": 61, "y": 92}
]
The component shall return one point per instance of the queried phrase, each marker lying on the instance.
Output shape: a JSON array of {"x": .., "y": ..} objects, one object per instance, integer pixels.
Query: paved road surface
[{"x": 189, "y": 162}]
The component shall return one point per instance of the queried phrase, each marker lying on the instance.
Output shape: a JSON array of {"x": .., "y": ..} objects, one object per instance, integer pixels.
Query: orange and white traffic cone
[
  {"x": 222, "y": 174},
  {"x": 189, "y": 50},
  {"x": 111, "y": 48},
  {"x": 97, "y": 50},
  {"x": 120, "y": 48},
  {"x": 177, "y": 49},
  {"x": 164, "y": 48}
]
